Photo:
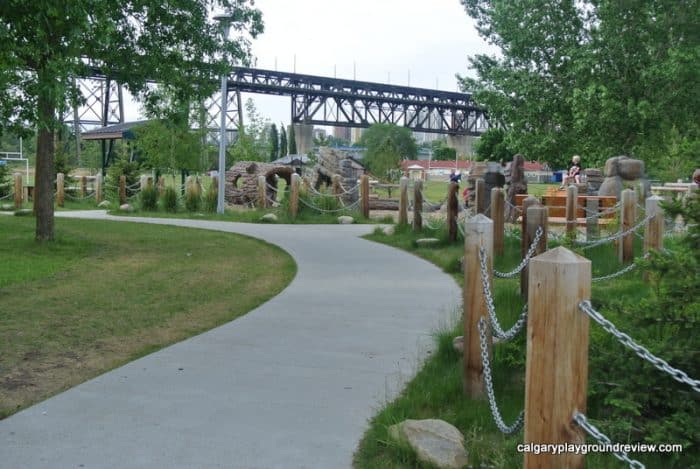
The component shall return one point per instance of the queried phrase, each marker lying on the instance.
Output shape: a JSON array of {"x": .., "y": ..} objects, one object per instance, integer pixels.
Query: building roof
[
  {"x": 117, "y": 131},
  {"x": 461, "y": 165}
]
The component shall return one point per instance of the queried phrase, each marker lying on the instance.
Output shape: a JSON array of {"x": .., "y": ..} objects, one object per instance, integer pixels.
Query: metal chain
[
  {"x": 660, "y": 364},
  {"x": 7, "y": 196},
  {"x": 629, "y": 268},
  {"x": 425, "y": 199},
  {"x": 314, "y": 207},
  {"x": 613, "y": 237},
  {"x": 491, "y": 307},
  {"x": 601, "y": 438},
  {"x": 526, "y": 259},
  {"x": 520, "y": 420},
  {"x": 431, "y": 226},
  {"x": 597, "y": 214}
]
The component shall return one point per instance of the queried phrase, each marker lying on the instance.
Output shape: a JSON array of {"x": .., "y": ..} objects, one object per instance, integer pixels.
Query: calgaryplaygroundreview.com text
[{"x": 562, "y": 448}]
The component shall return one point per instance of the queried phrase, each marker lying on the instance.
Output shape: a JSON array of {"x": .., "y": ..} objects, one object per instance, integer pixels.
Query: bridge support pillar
[
  {"x": 463, "y": 144},
  {"x": 304, "y": 134}
]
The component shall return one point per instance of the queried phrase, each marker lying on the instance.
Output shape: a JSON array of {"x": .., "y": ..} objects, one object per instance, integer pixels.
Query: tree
[
  {"x": 45, "y": 44},
  {"x": 596, "y": 77},
  {"x": 274, "y": 143},
  {"x": 169, "y": 145},
  {"x": 283, "y": 141},
  {"x": 292, "y": 141},
  {"x": 401, "y": 137},
  {"x": 493, "y": 146},
  {"x": 253, "y": 137},
  {"x": 384, "y": 160}
]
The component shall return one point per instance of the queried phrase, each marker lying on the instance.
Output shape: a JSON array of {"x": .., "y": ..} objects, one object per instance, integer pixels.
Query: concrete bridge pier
[
  {"x": 463, "y": 144},
  {"x": 304, "y": 134}
]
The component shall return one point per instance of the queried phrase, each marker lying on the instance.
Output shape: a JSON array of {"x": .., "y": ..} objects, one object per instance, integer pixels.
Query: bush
[
  {"x": 193, "y": 200},
  {"x": 170, "y": 199},
  {"x": 211, "y": 199},
  {"x": 5, "y": 182},
  {"x": 121, "y": 167},
  {"x": 149, "y": 198}
]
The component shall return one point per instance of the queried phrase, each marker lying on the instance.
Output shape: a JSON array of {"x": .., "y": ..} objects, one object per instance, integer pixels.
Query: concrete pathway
[{"x": 291, "y": 384}]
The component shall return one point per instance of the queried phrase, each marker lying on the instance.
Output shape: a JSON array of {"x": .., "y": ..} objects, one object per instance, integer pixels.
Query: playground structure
[{"x": 242, "y": 181}]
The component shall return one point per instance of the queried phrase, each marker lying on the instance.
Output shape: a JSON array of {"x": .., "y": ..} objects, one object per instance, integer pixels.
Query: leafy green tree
[
  {"x": 170, "y": 146},
  {"x": 384, "y": 160},
  {"x": 253, "y": 138},
  {"x": 493, "y": 146},
  {"x": 401, "y": 137},
  {"x": 595, "y": 77},
  {"x": 283, "y": 141},
  {"x": 45, "y": 44},
  {"x": 274, "y": 143},
  {"x": 292, "y": 141}
]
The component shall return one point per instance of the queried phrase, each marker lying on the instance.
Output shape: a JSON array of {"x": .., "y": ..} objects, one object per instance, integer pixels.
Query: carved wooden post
[
  {"x": 161, "y": 185},
  {"x": 99, "y": 188},
  {"x": 364, "y": 193},
  {"x": 417, "y": 205},
  {"x": 499, "y": 220},
  {"x": 627, "y": 217},
  {"x": 122, "y": 189},
  {"x": 336, "y": 188},
  {"x": 654, "y": 232},
  {"x": 60, "y": 190},
  {"x": 294, "y": 196},
  {"x": 537, "y": 216},
  {"x": 403, "y": 201},
  {"x": 480, "y": 195},
  {"x": 571, "y": 209},
  {"x": 592, "y": 229},
  {"x": 452, "y": 211},
  {"x": 528, "y": 202},
  {"x": 262, "y": 192},
  {"x": 478, "y": 233},
  {"x": 83, "y": 186},
  {"x": 143, "y": 182},
  {"x": 18, "y": 190},
  {"x": 556, "y": 371}
]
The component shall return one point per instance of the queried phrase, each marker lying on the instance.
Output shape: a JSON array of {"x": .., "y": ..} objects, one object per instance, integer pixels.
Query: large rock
[
  {"x": 427, "y": 241},
  {"x": 126, "y": 208},
  {"x": 104, "y": 204},
  {"x": 346, "y": 220},
  {"x": 630, "y": 169},
  {"x": 389, "y": 230},
  {"x": 612, "y": 186},
  {"x": 269, "y": 218},
  {"x": 434, "y": 441},
  {"x": 612, "y": 167}
]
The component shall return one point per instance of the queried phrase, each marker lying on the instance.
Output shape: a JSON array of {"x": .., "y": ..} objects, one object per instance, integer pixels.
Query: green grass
[
  {"x": 436, "y": 391},
  {"x": 105, "y": 293}
]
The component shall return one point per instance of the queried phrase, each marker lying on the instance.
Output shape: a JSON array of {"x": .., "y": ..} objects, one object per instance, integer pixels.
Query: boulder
[
  {"x": 458, "y": 344},
  {"x": 427, "y": 241},
  {"x": 269, "y": 218},
  {"x": 389, "y": 230},
  {"x": 611, "y": 186},
  {"x": 630, "y": 169},
  {"x": 612, "y": 167},
  {"x": 346, "y": 220},
  {"x": 434, "y": 441},
  {"x": 7, "y": 207},
  {"x": 104, "y": 204},
  {"x": 126, "y": 208}
]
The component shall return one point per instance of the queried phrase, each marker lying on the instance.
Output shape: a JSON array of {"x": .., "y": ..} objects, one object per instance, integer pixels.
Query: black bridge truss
[{"x": 349, "y": 103}]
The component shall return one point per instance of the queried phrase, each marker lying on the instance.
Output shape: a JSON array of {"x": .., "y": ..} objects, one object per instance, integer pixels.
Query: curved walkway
[{"x": 289, "y": 385}]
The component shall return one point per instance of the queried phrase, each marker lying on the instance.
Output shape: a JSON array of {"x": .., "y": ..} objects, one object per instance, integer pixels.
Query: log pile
[{"x": 242, "y": 181}]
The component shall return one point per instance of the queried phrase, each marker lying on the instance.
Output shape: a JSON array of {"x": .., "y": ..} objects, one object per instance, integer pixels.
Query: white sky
[{"x": 383, "y": 38}]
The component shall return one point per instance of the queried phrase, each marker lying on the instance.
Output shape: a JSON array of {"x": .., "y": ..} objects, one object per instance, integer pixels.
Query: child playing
[{"x": 574, "y": 172}]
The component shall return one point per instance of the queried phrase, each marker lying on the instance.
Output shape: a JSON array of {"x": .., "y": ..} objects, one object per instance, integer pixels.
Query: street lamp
[{"x": 225, "y": 21}]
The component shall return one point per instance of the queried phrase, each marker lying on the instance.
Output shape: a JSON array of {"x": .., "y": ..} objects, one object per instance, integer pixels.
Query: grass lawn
[
  {"x": 436, "y": 391},
  {"x": 106, "y": 293}
]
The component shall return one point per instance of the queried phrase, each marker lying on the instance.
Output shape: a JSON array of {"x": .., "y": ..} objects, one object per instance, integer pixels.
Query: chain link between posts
[
  {"x": 601, "y": 438},
  {"x": 526, "y": 259},
  {"x": 589, "y": 245},
  {"x": 520, "y": 420},
  {"x": 627, "y": 341}
]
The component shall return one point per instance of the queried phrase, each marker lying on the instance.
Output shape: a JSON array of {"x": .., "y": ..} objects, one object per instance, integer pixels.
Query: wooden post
[
  {"x": 417, "y": 205},
  {"x": 556, "y": 370},
  {"x": 60, "y": 189},
  {"x": 403, "y": 201},
  {"x": 336, "y": 188},
  {"x": 452, "y": 211},
  {"x": 592, "y": 229},
  {"x": 83, "y": 186},
  {"x": 143, "y": 182},
  {"x": 478, "y": 233},
  {"x": 480, "y": 195},
  {"x": 294, "y": 196},
  {"x": 498, "y": 202},
  {"x": 161, "y": 185},
  {"x": 18, "y": 190},
  {"x": 122, "y": 189},
  {"x": 262, "y": 192},
  {"x": 527, "y": 203},
  {"x": 627, "y": 217},
  {"x": 571, "y": 209},
  {"x": 654, "y": 230},
  {"x": 537, "y": 215},
  {"x": 99, "y": 188},
  {"x": 364, "y": 193}
]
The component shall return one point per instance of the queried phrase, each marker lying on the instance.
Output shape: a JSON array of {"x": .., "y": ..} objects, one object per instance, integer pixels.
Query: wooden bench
[{"x": 556, "y": 203}]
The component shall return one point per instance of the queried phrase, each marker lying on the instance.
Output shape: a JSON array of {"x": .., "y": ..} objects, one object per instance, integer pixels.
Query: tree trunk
[{"x": 44, "y": 174}]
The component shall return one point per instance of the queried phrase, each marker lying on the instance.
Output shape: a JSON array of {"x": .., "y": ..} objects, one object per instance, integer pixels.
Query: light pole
[{"x": 225, "y": 21}]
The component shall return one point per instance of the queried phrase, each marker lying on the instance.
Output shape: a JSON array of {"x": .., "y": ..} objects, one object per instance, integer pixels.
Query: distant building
[
  {"x": 342, "y": 133},
  {"x": 356, "y": 135},
  {"x": 440, "y": 170}
]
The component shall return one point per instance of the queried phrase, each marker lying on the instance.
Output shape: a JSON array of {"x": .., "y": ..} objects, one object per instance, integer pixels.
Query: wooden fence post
[
  {"x": 499, "y": 220},
  {"x": 537, "y": 216},
  {"x": 122, "y": 189},
  {"x": 60, "y": 190},
  {"x": 262, "y": 192},
  {"x": 654, "y": 230},
  {"x": 364, "y": 193},
  {"x": 99, "y": 188},
  {"x": 528, "y": 202},
  {"x": 592, "y": 229},
  {"x": 18, "y": 190},
  {"x": 143, "y": 182},
  {"x": 556, "y": 370},
  {"x": 628, "y": 213},
  {"x": 417, "y": 205},
  {"x": 452, "y": 211},
  {"x": 161, "y": 185},
  {"x": 480, "y": 195},
  {"x": 294, "y": 196},
  {"x": 571, "y": 209},
  {"x": 403, "y": 201},
  {"x": 83, "y": 186},
  {"x": 478, "y": 232},
  {"x": 335, "y": 181}
]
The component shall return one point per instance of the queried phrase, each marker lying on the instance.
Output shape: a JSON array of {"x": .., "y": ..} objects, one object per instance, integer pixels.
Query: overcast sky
[{"x": 384, "y": 39}]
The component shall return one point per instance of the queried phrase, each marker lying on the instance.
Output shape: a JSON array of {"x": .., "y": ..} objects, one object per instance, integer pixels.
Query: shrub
[
  {"x": 170, "y": 199},
  {"x": 211, "y": 199},
  {"x": 149, "y": 198},
  {"x": 193, "y": 200},
  {"x": 5, "y": 182}
]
